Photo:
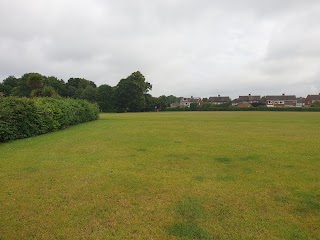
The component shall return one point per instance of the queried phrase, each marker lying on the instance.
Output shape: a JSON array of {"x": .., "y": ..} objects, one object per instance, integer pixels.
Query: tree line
[{"x": 131, "y": 94}]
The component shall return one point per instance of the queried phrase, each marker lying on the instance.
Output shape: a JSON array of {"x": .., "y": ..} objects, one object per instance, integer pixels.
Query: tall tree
[
  {"x": 10, "y": 83},
  {"x": 57, "y": 84},
  {"x": 105, "y": 98},
  {"x": 130, "y": 93},
  {"x": 27, "y": 83},
  {"x": 35, "y": 81},
  {"x": 4, "y": 90}
]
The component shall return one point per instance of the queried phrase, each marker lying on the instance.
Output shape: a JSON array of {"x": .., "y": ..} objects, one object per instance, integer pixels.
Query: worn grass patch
[
  {"x": 189, "y": 212},
  {"x": 189, "y": 230},
  {"x": 308, "y": 202}
]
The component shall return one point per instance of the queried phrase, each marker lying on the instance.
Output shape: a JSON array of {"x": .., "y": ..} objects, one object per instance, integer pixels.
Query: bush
[{"x": 23, "y": 117}]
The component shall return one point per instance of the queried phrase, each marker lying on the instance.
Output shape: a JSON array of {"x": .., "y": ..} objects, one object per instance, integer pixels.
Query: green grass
[{"x": 185, "y": 175}]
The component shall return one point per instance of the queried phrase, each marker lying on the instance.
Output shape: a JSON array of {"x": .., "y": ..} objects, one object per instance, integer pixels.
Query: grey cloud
[{"x": 198, "y": 48}]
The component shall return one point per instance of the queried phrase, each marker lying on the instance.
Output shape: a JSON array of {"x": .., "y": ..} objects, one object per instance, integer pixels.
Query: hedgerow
[
  {"x": 232, "y": 108},
  {"x": 24, "y": 117}
]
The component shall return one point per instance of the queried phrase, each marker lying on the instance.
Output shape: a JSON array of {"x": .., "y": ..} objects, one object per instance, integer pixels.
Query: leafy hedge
[{"x": 23, "y": 117}]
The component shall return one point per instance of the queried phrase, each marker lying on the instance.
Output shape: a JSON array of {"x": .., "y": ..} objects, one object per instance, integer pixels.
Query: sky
[{"x": 197, "y": 48}]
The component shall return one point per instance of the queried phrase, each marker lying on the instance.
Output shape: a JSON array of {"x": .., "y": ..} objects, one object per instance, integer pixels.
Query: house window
[{"x": 269, "y": 102}]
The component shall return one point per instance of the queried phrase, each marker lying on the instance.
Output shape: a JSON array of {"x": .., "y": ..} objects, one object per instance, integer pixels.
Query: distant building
[
  {"x": 235, "y": 102},
  {"x": 246, "y": 101},
  {"x": 198, "y": 101},
  {"x": 186, "y": 102},
  {"x": 312, "y": 99},
  {"x": 281, "y": 101},
  {"x": 301, "y": 102},
  {"x": 219, "y": 100}
]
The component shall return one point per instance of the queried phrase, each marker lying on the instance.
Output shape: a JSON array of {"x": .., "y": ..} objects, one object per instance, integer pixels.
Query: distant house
[
  {"x": 301, "y": 102},
  {"x": 246, "y": 101},
  {"x": 198, "y": 101},
  {"x": 311, "y": 99},
  {"x": 219, "y": 100},
  {"x": 235, "y": 102},
  {"x": 281, "y": 101},
  {"x": 185, "y": 102}
]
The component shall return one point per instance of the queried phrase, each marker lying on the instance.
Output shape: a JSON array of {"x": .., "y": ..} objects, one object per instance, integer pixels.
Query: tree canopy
[{"x": 130, "y": 94}]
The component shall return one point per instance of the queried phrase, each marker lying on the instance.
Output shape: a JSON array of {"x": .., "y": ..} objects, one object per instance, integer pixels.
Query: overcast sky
[{"x": 183, "y": 47}]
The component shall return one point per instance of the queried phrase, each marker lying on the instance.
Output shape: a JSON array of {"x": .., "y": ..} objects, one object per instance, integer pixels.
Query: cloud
[{"x": 199, "y": 48}]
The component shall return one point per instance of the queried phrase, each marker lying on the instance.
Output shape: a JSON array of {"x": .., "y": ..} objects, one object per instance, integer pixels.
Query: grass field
[{"x": 186, "y": 175}]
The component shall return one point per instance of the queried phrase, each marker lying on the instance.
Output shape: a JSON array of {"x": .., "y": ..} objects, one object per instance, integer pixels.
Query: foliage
[
  {"x": 193, "y": 106},
  {"x": 105, "y": 98},
  {"x": 315, "y": 104},
  {"x": 4, "y": 90},
  {"x": 23, "y": 117},
  {"x": 130, "y": 93}
]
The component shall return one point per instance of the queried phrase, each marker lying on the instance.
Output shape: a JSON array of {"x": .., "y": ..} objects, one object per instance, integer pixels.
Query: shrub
[{"x": 22, "y": 117}]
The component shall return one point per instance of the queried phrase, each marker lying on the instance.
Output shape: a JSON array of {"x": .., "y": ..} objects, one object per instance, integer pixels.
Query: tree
[
  {"x": 49, "y": 91},
  {"x": 193, "y": 106},
  {"x": 58, "y": 85},
  {"x": 163, "y": 103},
  {"x": 129, "y": 96},
  {"x": 23, "y": 89},
  {"x": 151, "y": 103},
  {"x": 140, "y": 80},
  {"x": 89, "y": 93},
  {"x": 10, "y": 83},
  {"x": 35, "y": 81},
  {"x": 80, "y": 83},
  {"x": 75, "y": 88},
  {"x": 105, "y": 98},
  {"x": 130, "y": 93},
  {"x": 4, "y": 90},
  {"x": 315, "y": 104}
]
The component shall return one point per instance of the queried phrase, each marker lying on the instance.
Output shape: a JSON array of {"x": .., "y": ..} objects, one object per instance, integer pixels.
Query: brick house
[
  {"x": 198, "y": 101},
  {"x": 186, "y": 102},
  {"x": 246, "y": 101},
  {"x": 301, "y": 102},
  {"x": 234, "y": 102},
  {"x": 311, "y": 99},
  {"x": 281, "y": 101},
  {"x": 219, "y": 100}
]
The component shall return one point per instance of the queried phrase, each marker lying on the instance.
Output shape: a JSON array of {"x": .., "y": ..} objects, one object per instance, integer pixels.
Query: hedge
[{"x": 25, "y": 117}]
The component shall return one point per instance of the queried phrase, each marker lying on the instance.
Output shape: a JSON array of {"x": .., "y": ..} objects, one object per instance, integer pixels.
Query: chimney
[
  {"x": 219, "y": 95},
  {"x": 249, "y": 94},
  {"x": 283, "y": 94}
]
